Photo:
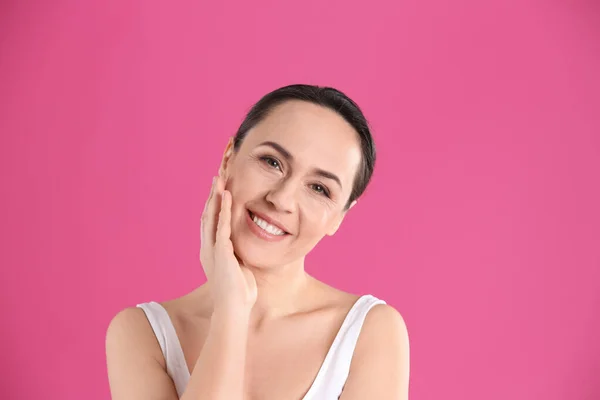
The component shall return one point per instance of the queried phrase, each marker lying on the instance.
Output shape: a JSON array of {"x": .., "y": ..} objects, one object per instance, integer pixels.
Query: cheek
[
  {"x": 249, "y": 184},
  {"x": 316, "y": 220},
  {"x": 237, "y": 184},
  {"x": 244, "y": 186}
]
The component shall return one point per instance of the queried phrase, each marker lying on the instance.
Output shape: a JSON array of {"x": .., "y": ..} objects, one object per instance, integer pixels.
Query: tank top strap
[
  {"x": 334, "y": 372},
  {"x": 169, "y": 343},
  {"x": 350, "y": 333}
]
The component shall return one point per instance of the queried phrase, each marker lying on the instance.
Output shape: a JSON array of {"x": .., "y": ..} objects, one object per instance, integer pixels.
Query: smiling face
[{"x": 293, "y": 172}]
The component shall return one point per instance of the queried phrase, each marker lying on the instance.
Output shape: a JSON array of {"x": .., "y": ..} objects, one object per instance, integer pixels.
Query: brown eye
[
  {"x": 320, "y": 189},
  {"x": 271, "y": 162}
]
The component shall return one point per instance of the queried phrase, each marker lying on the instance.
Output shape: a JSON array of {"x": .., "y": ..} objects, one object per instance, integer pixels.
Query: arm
[
  {"x": 219, "y": 370},
  {"x": 380, "y": 365},
  {"x": 136, "y": 367},
  {"x": 135, "y": 363}
]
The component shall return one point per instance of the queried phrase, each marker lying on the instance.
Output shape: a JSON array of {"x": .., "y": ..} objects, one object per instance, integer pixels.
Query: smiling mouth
[{"x": 265, "y": 226}]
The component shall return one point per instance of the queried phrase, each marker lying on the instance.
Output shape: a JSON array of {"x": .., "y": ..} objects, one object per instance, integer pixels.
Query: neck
[{"x": 280, "y": 291}]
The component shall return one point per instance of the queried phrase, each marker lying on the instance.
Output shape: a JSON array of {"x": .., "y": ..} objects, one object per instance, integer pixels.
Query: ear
[
  {"x": 227, "y": 154},
  {"x": 337, "y": 223}
]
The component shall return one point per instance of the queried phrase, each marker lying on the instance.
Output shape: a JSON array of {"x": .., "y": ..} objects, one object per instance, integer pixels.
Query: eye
[
  {"x": 320, "y": 189},
  {"x": 271, "y": 162}
]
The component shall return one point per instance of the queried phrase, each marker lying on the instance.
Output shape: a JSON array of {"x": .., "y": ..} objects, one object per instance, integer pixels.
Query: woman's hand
[{"x": 233, "y": 287}]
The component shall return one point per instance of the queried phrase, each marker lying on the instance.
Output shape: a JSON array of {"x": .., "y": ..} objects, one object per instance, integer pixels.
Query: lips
[{"x": 269, "y": 220}]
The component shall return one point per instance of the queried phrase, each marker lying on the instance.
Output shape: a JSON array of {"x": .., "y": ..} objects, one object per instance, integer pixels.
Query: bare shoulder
[
  {"x": 380, "y": 363},
  {"x": 127, "y": 318},
  {"x": 384, "y": 319},
  {"x": 134, "y": 359},
  {"x": 131, "y": 325},
  {"x": 384, "y": 331}
]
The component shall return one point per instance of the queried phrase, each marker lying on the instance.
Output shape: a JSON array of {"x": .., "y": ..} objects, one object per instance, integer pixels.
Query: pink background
[{"x": 482, "y": 223}]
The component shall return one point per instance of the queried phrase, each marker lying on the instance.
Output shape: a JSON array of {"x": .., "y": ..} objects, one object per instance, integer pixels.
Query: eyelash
[
  {"x": 266, "y": 159},
  {"x": 324, "y": 190}
]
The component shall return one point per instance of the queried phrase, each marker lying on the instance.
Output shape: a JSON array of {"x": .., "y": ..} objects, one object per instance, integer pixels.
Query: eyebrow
[{"x": 289, "y": 157}]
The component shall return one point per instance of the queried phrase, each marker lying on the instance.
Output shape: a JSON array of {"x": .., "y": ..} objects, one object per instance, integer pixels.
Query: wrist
[{"x": 231, "y": 315}]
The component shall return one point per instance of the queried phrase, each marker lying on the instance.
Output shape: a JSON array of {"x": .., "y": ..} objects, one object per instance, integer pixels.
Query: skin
[{"x": 261, "y": 326}]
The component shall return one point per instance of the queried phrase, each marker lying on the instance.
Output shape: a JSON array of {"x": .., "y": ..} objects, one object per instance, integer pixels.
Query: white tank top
[{"x": 330, "y": 379}]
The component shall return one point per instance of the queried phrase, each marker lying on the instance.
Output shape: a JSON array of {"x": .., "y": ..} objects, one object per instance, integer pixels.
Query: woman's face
[{"x": 295, "y": 169}]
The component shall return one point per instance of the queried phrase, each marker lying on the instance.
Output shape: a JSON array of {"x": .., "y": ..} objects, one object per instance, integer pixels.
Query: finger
[
  {"x": 210, "y": 214},
  {"x": 210, "y": 195},
  {"x": 224, "y": 225}
]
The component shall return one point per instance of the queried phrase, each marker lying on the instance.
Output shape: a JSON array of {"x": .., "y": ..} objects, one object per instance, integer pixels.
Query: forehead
[{"x": 316, "y": 136}]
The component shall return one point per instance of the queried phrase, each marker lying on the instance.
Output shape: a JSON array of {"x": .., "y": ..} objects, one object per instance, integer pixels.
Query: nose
[{"x": 282, "y": 196}]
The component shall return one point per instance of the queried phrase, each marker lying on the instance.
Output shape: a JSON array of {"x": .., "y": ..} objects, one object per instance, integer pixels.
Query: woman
[{"x": 261, "y": 327}]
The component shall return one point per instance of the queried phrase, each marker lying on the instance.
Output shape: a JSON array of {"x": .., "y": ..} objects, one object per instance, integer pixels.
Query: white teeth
[{"x": 273, "y": 230}]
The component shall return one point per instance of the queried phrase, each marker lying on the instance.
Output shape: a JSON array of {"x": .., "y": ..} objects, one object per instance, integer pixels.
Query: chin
[{"x": 252, "y": 254}]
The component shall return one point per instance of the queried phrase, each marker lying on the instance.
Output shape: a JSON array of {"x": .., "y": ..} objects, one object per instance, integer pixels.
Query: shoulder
[
  {"x": 384, "y": 317},
  {"x": 129, "y": 330},
  {"x": 135, "y": 365},
  {"x": 380, "y": 363},
  {"x": 126, "y": 320},
  {"x": 384, "y": 327}
]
